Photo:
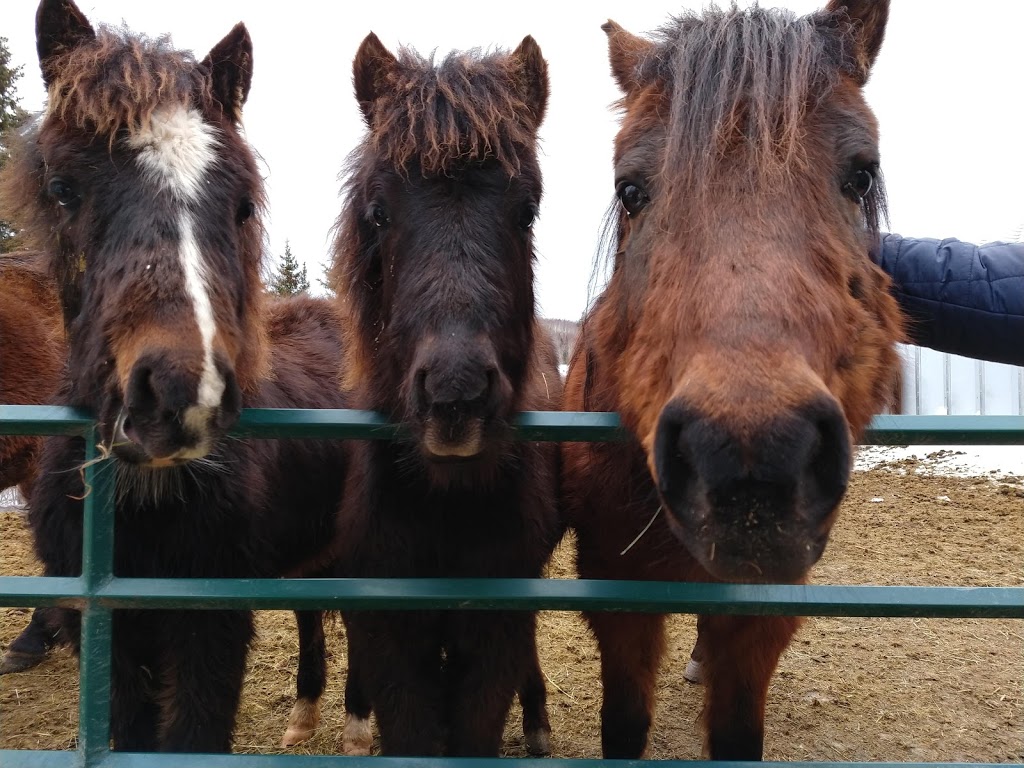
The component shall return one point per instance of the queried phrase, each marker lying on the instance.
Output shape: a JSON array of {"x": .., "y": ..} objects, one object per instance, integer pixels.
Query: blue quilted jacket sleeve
[{"x": 959, "y": 297}]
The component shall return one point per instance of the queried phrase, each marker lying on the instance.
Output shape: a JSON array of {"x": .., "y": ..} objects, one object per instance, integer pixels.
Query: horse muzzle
[{"x": 755, "y": 504}]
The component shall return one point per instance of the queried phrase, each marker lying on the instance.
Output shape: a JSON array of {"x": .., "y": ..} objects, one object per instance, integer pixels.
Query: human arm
[{"x": 959, "y": 297}]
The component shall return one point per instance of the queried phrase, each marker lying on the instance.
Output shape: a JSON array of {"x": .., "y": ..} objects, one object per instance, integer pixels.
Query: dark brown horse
[
  {"x": 140, "y": 189},
  {"x": 32, "y": 354},
  {"x": 434, "y": 264},
  {"x": 745, "y": 337}
]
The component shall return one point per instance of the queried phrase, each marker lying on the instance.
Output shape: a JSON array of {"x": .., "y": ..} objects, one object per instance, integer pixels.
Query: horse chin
[
  {"x": 447, "y": 443},
  {"x": 782, "y": 559}
]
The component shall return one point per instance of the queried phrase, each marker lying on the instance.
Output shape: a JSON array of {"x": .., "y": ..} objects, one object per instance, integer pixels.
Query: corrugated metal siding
[{"x": 936, "y": 384}]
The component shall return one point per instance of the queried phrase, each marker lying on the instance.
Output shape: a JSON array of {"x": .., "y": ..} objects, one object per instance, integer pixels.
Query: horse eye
[
  {"x": 64, "y": 193},
  {"x": 380, "y": 216},
  {"x": 632, "y": 197},
  {"x": 527, "y": 216},
  {"x": 859, "y": 184},
  {"x": 246, "y": 211}
]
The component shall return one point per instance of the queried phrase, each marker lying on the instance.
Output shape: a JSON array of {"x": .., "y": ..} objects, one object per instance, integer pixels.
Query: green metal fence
[{"x": 97, "y": 592}]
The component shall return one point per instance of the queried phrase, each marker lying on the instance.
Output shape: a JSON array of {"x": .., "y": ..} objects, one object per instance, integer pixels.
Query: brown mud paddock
[{"x": 847, "y": 689}]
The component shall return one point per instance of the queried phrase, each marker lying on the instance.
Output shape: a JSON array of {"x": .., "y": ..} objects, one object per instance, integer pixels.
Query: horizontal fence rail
[
  {"x": 550, "y": 426},
  {"x": 54, "y": 759},
  {"x": 521, "y": 594},
  {"x": 97, "y": 592}
]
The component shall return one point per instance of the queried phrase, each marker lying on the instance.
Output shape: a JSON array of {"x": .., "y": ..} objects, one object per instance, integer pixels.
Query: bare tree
[{"x": 563, "y": 333}]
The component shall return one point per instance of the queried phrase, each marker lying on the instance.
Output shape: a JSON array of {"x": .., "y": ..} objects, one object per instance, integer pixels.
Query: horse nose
[
  {"x": 794, "y": 465},
  {"x": 171, "y": 406},
  {"x": 446, "y": 386},
  {"x": 454, "y": 378}
]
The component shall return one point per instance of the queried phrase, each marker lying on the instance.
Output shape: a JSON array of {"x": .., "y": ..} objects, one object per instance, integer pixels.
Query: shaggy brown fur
[
  {"x": 32, "y": 356},
  {"x": 116, "y": 83},
  {"x": 744, "y": 337},
  {"x": 467, "y": 108}
]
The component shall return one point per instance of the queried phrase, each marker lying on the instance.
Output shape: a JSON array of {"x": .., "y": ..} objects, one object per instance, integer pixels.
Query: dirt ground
[{"x": 847, "y": 689}]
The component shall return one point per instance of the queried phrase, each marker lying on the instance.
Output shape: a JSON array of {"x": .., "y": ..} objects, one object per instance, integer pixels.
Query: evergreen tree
[
  {"x": 290, "y": 278},
  {"x": 325, "y": 281},
  {"x": 11, "y": 114}
]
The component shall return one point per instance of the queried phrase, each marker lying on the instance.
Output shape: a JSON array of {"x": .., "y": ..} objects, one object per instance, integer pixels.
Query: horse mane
[
  {"x": 745, "y": 79},
  {"x": 440, "y": 116},
  {"x": 118, "y": 80}
]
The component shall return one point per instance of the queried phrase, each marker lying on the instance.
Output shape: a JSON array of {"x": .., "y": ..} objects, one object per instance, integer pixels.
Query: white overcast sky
[{"x": 948, "y": 90}]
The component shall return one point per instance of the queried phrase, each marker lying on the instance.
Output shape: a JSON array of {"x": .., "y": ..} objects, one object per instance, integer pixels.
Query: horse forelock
[
  {"x": 438, "y": 117},
  {"x": 117, "y": 82},
  {"x": 740, "y": 83}
]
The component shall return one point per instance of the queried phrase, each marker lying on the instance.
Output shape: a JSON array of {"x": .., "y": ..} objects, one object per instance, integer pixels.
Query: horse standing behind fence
[
  {"x": 140, "y": 189},
  {"x": 744, "y": 337},
  {"x": 31, "y": 356},
  {"x": 434, "y": 264},
  {"x": 32, "y": 353}
]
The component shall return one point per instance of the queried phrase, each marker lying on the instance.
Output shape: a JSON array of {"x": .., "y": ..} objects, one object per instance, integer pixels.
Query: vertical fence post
[{"x": 97, "y": 569}]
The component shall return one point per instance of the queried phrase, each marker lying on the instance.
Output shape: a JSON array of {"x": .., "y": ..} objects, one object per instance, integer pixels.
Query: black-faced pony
[{"x": 434, "y": 267}]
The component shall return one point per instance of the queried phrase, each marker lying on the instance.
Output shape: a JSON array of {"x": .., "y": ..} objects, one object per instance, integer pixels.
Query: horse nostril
[
  {"x": 673, "y": 470},
  {"x": 828, "y": 466},
  {"x": 141, "y": 396},
  {"x": 490, "y": 385}
]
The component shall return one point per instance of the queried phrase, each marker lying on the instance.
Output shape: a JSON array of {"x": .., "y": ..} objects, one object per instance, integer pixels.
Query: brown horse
[
  {"x": 32, "y": 353},
  {"x": 434, "y": 264},
  {"x": 744, "y": 336},
  {"x": 31, "y": 357},
  {"x": 140, "y": 189}
]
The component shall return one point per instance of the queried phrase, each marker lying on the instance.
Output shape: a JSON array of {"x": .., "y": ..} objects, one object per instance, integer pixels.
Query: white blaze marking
[
  {"x": 175, "y": 150},
  {"x": 177, "y": 147}
]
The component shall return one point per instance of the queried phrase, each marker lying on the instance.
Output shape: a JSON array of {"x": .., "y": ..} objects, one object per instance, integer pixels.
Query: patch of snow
[{"x": 997, "y": 461}]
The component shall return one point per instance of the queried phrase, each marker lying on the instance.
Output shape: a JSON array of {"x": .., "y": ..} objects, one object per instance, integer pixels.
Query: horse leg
[
  {"x": 533, "y": 698},
  {"x": 694, "y": 673},
  {"x": 311, "y": 679},
  {"x": 134, "y": 715},
  {"x": 201, "y": 680},
  {"x": 398, "y": 665},
  {"x": 31, "y": 646},
  {"x": 357, "y": 735},
  {"x": 631, "y": 646},
  {"x": 487, "y": 659},
  {"x": 742, "y": 652}
]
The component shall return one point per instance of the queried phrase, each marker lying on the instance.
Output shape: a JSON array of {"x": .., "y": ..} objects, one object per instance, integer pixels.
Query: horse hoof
[
  {"x": 16, "y": 661},
  {"x": 357, "y": 736},
  {"x": 302, "y": 722},
  {"x": 538, "y": 742},
  {"x": 694, "y": 673}
]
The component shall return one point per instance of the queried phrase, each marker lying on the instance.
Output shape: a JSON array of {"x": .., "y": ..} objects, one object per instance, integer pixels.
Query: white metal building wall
[{"x": 935, "y": 383}]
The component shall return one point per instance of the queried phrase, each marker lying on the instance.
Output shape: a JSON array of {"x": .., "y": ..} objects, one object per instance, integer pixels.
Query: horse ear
[
  {"x": 60, "y": 27},
  {"x": 370, "y": 69},
  {"x": 869, "y": 18},
  {"x": 230, "y": 66},
  {"x": 626, "y": 53},
  {"x": 531, "y": 74}
]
